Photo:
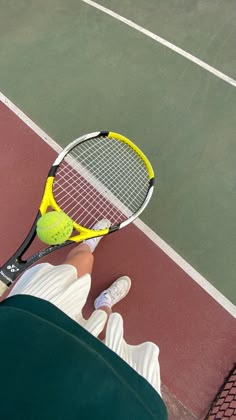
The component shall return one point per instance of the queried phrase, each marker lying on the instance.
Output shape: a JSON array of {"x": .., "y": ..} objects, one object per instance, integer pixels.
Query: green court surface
[
  {"x": 204, "y": 28},
  {"x": 74, "y": 70}
]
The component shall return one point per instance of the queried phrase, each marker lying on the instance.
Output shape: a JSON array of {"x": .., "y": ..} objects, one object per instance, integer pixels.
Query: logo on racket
[
  {"x": 101, "y": 175},
  {"x": 12, "y": 268}
]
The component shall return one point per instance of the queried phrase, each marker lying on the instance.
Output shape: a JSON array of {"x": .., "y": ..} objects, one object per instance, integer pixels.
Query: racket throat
[{"x": 12, "y": 269}]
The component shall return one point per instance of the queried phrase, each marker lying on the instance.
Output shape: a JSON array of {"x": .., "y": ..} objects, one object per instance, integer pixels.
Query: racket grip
[{"x": 3, "y": 288}]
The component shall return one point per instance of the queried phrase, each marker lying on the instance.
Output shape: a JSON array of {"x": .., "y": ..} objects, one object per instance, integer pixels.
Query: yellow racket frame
[{"x": 48, "y": 200}]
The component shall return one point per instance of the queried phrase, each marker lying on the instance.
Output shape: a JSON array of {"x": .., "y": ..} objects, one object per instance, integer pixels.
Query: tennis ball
[{"x": 54, "y": 228}]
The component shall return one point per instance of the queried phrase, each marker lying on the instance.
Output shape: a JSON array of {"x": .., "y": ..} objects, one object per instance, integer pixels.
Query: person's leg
[
  {"x": 81, "y": 257},
  {"x": 111, "y": 296},
  {"x": 108, "y": 311}
]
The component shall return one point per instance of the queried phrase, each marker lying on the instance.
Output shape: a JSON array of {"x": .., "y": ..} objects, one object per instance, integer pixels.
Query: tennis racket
[{"x": 99, "y": 175}]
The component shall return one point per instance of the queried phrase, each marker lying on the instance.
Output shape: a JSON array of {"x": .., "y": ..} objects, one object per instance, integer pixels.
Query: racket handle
[{"x": 3, "y": 288}]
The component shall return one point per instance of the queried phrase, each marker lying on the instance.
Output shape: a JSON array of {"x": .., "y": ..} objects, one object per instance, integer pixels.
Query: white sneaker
[
  {"x": 101, "y": 224},
  {"x": 93, "y": 242},
  {"x": 116, "y": 292}
]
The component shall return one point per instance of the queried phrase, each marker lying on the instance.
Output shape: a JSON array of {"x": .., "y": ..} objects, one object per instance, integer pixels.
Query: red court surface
[{"x": 195, "y": 334}]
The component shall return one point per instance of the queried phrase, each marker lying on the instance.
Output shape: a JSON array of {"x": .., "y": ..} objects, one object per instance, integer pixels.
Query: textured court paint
[
  {"x": 222, "y": 300},
  {"x": 163, "y": 41},
  {"x": 20, "y": 114},
  {"x": 204, "y": 28},
  {"x": 196, "y": 336},
  {"x": 73, "y": 70},
  {"x": 187, "y": 268}
]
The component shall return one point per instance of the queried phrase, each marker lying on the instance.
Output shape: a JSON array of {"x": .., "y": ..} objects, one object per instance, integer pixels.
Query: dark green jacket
[{"x": 53, "y": 369}]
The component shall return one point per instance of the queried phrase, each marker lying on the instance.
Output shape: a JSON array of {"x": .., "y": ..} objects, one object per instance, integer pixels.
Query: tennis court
[{"x": 161, "y": 73}]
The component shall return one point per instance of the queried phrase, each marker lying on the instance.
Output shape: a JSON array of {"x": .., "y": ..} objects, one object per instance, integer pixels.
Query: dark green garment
[{"x": 53, "y": 369}]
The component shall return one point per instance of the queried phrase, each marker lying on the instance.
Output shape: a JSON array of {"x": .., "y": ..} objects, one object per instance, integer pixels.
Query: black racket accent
[
  {"x": 16, "y": 264},
  {"x": 151, "y": 182},
  {"x": 100, "y": 175},
  {"x": 114, "y": 228},
  {"x": 53, "y": 170}
]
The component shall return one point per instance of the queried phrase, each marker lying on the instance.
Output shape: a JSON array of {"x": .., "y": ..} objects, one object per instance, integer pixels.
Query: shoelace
[{"x": 115, "y": 291}]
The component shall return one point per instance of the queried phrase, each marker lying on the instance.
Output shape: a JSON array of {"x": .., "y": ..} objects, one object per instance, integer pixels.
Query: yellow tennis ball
[{"x": 54, "y": 228}]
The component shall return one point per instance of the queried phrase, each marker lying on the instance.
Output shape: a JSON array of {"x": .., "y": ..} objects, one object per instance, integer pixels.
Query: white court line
[
  {"x": 186, "y": 267},
  {"x": 164, "y": 42},
  {"x": 44, "y": 136}
]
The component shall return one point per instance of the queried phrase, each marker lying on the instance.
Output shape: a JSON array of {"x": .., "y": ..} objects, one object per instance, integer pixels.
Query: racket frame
[{"x": 16, "y": 265}]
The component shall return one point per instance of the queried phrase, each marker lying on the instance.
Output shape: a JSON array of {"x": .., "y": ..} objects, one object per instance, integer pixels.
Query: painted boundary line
[
  {"x": 186, "y": 267},
  {"x": 44, "y": 136},
  {"x": 163, "y": 41}
]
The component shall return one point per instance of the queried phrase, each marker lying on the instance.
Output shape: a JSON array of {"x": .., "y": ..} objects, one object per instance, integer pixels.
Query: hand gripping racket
[{"x": 99, "y": 175}]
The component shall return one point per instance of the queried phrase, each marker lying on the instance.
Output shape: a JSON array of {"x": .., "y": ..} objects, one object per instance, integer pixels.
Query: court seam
[
  {"x": 163, "y": 41},
  {"x": 173, "y": 255}
]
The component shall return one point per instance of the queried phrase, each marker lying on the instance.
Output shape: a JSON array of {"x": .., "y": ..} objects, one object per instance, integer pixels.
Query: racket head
[{"x": 99, "y": 175}]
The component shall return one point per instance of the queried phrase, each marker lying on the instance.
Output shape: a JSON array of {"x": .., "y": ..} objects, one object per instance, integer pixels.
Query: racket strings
[
  {"x": 121, "y": 169},
  {"x": 120, "y": 148},
  {"x": 94, "y": 160},
  {"x": 121, "y": 172},
  {"x": 120, "y": 190},
  {"x": 102, "y": 171},
  {"x": 86, "y": 211},
  {"x": 88, "y": 204},
  {"x": 90, "y": 192},
  {"x": 101, "y": 178}
]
